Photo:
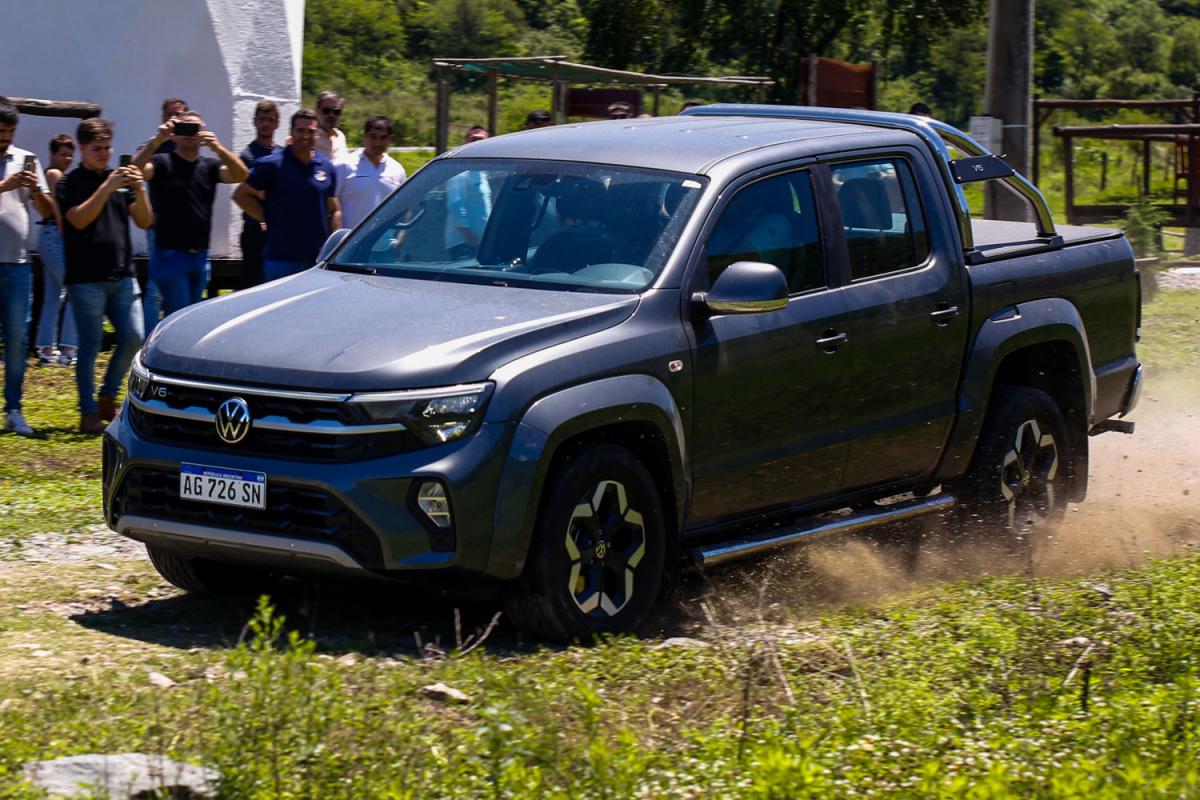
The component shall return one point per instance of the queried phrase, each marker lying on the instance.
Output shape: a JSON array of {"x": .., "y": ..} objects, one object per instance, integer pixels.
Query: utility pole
[{"x": 1009, "y": 96}]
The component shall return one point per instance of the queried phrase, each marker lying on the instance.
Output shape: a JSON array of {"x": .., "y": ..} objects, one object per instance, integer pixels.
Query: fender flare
[
  {"x": 555, "y": 419},
  {"x": 1042, "y": 321}
]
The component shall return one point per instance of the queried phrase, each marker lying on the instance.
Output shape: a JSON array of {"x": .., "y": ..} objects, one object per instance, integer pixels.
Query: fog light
[{"x": 431, "y": 498}]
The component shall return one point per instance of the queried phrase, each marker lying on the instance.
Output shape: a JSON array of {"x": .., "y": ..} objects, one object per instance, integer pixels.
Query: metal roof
[
  {"x": 678, "y": 144},
  {"x": 557, "y": 68}
]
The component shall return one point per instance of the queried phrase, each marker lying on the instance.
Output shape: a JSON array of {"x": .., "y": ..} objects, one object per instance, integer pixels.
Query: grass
[{"x": 992, "y": 688}]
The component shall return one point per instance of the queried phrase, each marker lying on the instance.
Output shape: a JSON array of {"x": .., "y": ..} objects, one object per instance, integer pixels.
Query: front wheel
[
  {"x": 595, "y": 564},
  {"x": 202, "y": 576},
  {"x": 1018, "y": 480}
]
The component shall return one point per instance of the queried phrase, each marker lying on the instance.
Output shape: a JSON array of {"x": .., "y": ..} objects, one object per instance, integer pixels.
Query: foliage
[
  {"x": 1143, "y": 225},
  {"x": 378, "y": 52}
]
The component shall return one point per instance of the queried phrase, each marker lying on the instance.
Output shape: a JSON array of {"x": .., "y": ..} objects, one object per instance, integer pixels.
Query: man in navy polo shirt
[{"x": 299, "y": 205}]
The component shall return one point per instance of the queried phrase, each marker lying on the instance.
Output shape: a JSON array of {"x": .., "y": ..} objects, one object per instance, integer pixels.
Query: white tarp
[{"x": 221, "y": 56}]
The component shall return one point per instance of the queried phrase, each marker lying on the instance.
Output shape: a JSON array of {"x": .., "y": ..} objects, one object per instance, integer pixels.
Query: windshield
[{"x": 527, "y": 223}]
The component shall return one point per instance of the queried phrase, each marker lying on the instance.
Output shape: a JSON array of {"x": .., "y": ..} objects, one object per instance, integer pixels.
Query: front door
[{"x": 769, "y": 405}]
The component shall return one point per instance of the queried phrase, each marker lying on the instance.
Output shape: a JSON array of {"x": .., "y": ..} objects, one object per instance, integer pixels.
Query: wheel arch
[
  {"x": 637, "y": 412},
  {"x": 1043, "y": 345}
]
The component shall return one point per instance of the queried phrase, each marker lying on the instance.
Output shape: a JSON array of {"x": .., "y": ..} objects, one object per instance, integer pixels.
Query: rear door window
[
  {"x": 881, "y": 216},
  {"x": 773, "y": 220}
]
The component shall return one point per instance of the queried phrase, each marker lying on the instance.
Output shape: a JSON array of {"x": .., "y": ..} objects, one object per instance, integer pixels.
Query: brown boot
[
  {"x": 106, "y": 407},
  {"x": 91, "y": 424}
]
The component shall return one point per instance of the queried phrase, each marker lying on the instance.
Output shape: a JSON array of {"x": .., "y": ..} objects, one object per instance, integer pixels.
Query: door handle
[
  {"x": 944, "y": 314},
  {"x": 832, "y": 340}
]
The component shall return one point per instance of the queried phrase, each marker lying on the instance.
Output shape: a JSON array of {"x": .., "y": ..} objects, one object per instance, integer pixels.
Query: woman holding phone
[{"x": 52, "y": 348}]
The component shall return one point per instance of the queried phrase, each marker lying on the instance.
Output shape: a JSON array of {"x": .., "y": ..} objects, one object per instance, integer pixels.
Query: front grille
[
  {"x": 297, "y": 410},
  {"x": 271, "y": 443},
  {"x": 292, "y": 511}
]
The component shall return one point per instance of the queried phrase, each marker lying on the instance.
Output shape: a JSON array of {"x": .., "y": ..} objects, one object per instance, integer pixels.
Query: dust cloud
[{"x": 1143, "y": 501}]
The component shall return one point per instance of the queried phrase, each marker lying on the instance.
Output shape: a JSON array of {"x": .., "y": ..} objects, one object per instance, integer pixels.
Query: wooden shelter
[
  {"x": 560, "y": 74},
  {"x": 1185, "y": 137}
]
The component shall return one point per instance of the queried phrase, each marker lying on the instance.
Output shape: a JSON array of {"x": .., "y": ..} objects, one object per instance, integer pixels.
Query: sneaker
[
  {"x": 47, "y": 356},
  {"x": 15, "y": 423},
  {"x": 67, "y": 358}
]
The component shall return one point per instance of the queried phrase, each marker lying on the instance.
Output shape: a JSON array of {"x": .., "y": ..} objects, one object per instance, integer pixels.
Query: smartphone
[
  {"x": 187, "y": 128},
  {"x": 31, "y": 166},
  {"x": 126, "y": 160}
]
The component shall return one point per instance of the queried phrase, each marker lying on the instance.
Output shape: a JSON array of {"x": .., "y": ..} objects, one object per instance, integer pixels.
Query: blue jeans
[
  {"x": 281, "y": 269},
  {"x": 91, "y": 302},
  {"x": 181, "y": 277},
  {"x": 54, "y": 298},
  {"x": 16, "y": 300}
]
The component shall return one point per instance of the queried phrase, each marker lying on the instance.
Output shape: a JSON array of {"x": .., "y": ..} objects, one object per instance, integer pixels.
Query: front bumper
[{"x": 350, "y": 518}]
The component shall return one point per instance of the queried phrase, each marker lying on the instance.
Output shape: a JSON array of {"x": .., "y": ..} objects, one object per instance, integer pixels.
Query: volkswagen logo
[{"x": 233, "y": 420}]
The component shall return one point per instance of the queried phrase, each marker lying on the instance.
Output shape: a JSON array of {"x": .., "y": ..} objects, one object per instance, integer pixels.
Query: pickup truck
[{"x": 569, "y": 360}]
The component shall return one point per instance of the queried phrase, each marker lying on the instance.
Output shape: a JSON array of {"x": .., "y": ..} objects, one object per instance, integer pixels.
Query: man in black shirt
[
  {"x": 266, "y": 121},
  {"x": 99, "y": 265},
  {"x": 183, "y": 185}
]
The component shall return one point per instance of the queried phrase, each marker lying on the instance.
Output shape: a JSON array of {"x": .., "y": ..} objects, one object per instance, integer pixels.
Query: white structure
[{"x": 221, "y": 56}]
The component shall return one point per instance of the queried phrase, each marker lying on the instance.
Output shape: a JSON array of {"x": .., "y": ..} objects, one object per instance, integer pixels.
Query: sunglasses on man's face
[{"x": 333, "y": 112}]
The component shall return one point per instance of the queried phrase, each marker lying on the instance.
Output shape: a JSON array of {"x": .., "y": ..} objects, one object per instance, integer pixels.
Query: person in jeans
[
  {"x": 254, "y": 235},
  {"x": 54, "y": 346},
  {"x": 152, "y": 300},
  {"x": 300, "y": 204},
  {"x": 183, "y": 185},
  {"x": 100, "y": 274},
  {"x": 18, "y": 186}
]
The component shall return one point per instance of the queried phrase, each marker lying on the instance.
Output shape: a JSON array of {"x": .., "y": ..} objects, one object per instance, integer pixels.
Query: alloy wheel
[
  {"x": 1027, "y": 477},
  {"x": 605, "y": 541}
]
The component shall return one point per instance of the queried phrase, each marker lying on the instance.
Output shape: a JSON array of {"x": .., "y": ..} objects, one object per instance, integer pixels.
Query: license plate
[{"x": 231, "y": 487}]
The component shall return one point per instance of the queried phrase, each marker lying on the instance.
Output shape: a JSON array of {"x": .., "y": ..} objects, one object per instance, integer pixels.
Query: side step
[{"x": 711, "y": 555}]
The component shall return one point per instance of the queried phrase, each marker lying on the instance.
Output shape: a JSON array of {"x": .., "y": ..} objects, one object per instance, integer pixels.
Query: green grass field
[{"x": 990, "y": 687}]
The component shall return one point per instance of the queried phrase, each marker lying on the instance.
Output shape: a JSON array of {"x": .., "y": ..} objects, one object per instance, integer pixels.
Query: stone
[
  {"x": 682, "y": 642},
  {"x": 447, "y": 694},
  {"x": 122, "y": 776}
]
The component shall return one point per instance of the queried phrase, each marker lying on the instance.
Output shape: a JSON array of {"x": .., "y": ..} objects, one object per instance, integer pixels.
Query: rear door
[
  {"x": 907, "y": 304},
  {"x": 768, "y": 398}
]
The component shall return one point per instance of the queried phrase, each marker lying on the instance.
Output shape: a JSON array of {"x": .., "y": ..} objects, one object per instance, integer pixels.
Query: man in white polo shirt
[
  {"x": 365, "y": 181},
  {"x": 21, "y": 182}
]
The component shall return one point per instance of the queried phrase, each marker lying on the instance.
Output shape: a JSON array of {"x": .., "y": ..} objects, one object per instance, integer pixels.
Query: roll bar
[{"x": 938, "y": 135}]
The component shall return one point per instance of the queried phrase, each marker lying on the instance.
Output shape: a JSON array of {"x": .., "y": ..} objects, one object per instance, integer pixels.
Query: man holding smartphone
[
  {"x": 21, "y": 181},
  {"x": 183, "y": 185},
  {"x": 100, "y": 277}
]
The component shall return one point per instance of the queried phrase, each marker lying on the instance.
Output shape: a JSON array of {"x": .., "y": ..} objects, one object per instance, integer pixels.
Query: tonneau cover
[{"x": 1001, "y": 239}]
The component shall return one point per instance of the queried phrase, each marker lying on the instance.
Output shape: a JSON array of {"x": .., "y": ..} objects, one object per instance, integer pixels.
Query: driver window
[{"x": 773, "y": 221}]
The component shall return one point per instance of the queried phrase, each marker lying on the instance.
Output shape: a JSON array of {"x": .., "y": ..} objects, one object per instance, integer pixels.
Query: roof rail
[{"x": 937, "y": 134}]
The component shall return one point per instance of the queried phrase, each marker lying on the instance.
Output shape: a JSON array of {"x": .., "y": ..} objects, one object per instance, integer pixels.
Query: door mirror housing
[
  {"x": 332, "y": 243},
  {"x": 744, "y": 287}
]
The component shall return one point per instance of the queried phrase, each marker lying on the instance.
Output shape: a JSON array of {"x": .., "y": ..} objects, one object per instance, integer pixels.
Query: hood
[{"x": 336, "y": 331}]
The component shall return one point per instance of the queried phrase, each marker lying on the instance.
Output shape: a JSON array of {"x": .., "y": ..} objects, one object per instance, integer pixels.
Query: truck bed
[{"x": 998, "y": 239}]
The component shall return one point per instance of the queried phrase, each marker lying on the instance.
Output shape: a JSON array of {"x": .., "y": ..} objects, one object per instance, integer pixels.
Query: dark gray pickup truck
[{"x": 566, "y": 360}]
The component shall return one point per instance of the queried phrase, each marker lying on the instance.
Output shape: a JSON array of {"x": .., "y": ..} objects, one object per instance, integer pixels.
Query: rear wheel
[
  {"x": 595, "y": 564},
  {"x": 205, "y": 577},
  {"x": 1018, "y": 480}
]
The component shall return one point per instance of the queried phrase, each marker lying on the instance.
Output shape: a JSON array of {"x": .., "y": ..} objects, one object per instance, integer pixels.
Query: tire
[
  {"x": 595, "y": 563},
  {"x": 1018, "y": 482},
  {"x": 210, "y": 578}
]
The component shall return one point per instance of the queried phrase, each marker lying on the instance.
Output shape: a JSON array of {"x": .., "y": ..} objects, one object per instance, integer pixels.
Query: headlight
[
  {"x": 139, "y": 378},
  {"x": 435, "y": 416}
]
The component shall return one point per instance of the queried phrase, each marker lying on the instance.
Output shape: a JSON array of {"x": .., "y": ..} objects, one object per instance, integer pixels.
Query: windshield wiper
[{"x": 355, "y": 268}]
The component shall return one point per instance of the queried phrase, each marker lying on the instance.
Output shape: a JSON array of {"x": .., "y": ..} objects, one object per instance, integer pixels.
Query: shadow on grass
[{"x": 373, "y": 619}]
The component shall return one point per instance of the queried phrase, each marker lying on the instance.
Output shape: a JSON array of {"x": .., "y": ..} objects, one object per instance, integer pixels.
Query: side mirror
[
  {"x": 745, "y": 287},
  {"x": 332, "y": 243}
]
